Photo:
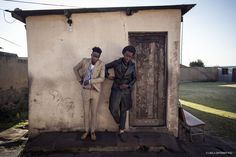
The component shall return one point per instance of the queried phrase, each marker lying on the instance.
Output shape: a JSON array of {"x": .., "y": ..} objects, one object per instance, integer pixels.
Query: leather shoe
[
  {"x": 93, "y": 136},
  {"x": 122, "y": 137},
  {"x": 84, "y": 136}
]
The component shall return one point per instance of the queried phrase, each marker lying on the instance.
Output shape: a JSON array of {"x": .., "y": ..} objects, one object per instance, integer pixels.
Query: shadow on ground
[{"x": 108, "y": 144}]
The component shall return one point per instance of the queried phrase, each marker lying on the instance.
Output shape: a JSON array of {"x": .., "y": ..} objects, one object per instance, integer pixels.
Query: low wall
[
  {"x": 192, "y": 74},
  {"x": 13, "y": 85},
  {"x": 13, "y": 71}
]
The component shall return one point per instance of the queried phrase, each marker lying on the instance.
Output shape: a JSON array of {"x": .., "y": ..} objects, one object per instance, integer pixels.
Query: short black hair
[
  {"x": 130, "y": 49},
  {"x": 97, "y": 49}
]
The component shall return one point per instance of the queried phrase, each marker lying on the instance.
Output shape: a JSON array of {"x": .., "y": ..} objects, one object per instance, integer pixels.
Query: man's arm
[
  {"x": 131, "y": 83},
  {"x": 107, "y": 67},
  {"x": 101, "y": 77},
  {"x": 133, "y": 78},
  {"x": 76, "y": 70}
]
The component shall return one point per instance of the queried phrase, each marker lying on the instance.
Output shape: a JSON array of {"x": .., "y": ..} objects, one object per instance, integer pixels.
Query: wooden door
[{"x": 149, "y": 96}]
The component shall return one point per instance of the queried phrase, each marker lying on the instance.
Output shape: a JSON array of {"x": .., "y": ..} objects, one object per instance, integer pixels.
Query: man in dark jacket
[{"x": 124, "y": 79}]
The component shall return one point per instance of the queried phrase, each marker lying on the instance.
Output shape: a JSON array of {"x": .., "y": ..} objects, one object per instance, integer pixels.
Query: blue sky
[{"x": 209, "y": 28}]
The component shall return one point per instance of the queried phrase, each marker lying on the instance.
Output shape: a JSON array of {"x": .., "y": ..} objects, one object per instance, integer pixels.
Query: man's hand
[
  {"x": 111, "y": 77},
  {"x": 123, "y": 86},
  {"x": 81, "y": 81},
  {"x": 86, "y": 82}
]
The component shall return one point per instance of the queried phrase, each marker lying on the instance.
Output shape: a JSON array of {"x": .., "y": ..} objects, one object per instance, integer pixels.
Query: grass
[
  {"x": 13, "y": 120},
  {"x": 214, "y": 103},
  {"x": 13, "y": 124},
  {"x": 21, "y": 124}
]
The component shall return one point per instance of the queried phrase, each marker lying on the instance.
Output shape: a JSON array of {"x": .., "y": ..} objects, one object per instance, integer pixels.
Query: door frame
[{"x": 164, "y": 126}]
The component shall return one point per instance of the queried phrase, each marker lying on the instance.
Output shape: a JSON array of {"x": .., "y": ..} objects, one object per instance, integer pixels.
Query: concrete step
[{"x": 106, "y": 142}]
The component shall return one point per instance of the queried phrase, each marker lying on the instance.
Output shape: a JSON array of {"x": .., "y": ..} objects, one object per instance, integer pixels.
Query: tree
[{"x": 197, "y": 63}]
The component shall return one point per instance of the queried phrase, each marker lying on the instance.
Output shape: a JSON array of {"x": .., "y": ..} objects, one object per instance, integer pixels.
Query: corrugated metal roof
[{"x": 21, "y": 15}]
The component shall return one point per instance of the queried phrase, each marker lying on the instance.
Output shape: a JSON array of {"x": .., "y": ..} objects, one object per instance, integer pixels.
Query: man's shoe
[
  {"x": 123, "y": 137},
  {"x": 84, "y": 136},
  {"x": 93, "y": 136}
]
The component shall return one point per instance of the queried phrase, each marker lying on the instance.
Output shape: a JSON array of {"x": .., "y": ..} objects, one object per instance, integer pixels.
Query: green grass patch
[
  {"x": 214, "y": 103},
  {"x": 21, "y": 124}
]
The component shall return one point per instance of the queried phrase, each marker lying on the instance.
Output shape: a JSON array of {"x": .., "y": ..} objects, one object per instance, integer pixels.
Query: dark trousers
[
  {"x": 119, "y": 116},
  {"x": 119, "y": 103}
]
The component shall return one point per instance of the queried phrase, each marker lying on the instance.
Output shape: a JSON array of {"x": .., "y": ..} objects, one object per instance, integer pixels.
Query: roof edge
[{"x": 21, "y": 15}]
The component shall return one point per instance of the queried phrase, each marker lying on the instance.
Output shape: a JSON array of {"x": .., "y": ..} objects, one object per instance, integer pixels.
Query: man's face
[
  {"x": 94, "y": 57},
  {"x": 128, "y": 56}
]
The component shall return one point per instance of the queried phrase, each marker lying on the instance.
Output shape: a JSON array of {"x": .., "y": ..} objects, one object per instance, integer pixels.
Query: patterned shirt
[{"x": 88, "y": 76}]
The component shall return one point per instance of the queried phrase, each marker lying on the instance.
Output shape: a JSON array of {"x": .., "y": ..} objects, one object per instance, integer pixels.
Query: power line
[
  {"x": 59, "y": 5},
  {"x": 10, "y": 42},
  {"x": 10, "y": 22}
]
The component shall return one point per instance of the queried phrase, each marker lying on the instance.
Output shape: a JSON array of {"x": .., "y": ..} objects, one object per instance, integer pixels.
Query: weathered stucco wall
[{"x": 55, "y": 95}]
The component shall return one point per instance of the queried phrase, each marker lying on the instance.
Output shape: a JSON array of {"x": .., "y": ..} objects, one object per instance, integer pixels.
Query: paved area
[
  {"x": 12, "y": 141},
  {"x": 139, "y": 144},
  {"x": 12, "y": 134}
]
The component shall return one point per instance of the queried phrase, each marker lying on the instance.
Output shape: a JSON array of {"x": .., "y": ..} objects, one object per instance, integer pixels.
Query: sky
[{"x": 209, "y": 29}]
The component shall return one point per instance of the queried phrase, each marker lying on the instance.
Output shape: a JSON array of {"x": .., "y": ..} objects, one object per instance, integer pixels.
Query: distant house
[
  {"x": 59, "y": 39},
  {"x": 227, "y": 73}
]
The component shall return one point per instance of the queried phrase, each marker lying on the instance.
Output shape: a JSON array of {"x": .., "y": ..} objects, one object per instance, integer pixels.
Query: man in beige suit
[{"x": 90, "y": 72}]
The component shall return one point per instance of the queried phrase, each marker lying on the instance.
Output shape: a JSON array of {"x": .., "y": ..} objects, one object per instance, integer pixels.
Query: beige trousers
[{"x": 90, "y": 104}]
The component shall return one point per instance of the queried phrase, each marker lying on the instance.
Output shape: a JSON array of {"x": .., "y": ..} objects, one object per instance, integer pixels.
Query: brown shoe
[
  {"x": 84, "y": 136},
  {"x": 93, "y": 136}
]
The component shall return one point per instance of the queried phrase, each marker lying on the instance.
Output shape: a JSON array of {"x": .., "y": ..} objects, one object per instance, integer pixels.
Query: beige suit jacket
[{"x": 98, "y": 72}]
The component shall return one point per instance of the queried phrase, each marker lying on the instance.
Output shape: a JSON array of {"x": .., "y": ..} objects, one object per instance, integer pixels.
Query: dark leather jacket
[{"x": 123, "y": 74}]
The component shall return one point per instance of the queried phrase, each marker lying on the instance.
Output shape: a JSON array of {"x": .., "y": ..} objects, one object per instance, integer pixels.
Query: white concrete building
[{"x": 55, "y": 46}]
